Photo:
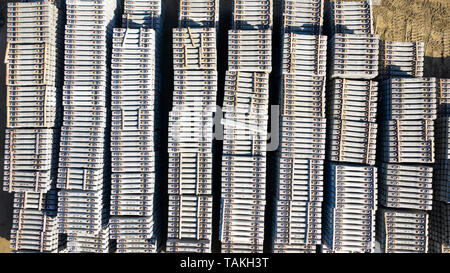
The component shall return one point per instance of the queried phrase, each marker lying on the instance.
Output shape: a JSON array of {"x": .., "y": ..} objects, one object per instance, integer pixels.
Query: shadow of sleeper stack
[
  {"x": 83, "y": 174},
  {"x": 350, "y": 191}
]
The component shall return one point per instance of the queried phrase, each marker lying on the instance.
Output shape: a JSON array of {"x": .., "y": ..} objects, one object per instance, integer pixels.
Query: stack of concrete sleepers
[
  {"x": 136, "y": 86},
  {"x": 83, "y": 176},
  {"x": 243, "y": 161},
  {"x": 33, "y": 85},
  {"x": 191, "y": 128},
  {"x": 353, "y": 48},
  {"x": 245, "y": 120},
  {"x": 198, "y": 13},
  {"x": 349, "y": 17},
  {"x": 404, "y": 231},
  {"x": 302, "y": 16},
  {"x": 401, "y": 59},
  {"x": 354, "y": 56},
  {"x": 304, "y": 54},
  {"x": 143, "y": 14},
  {"x": 352, "y": 127},
  {"x": 300, "y": 157},
  {"x": 440, "y": 214},
  {"x": 350, "y": 191},
  {"x": 349, "y": 207},
  {"x": 35, "y": 225},
  {"x": 252, "y": 14},
  {"x": 405, "y": 186},
  {"x": 407, "y": 140}
]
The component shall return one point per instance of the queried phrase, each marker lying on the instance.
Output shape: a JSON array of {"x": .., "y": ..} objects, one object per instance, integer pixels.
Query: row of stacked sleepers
[
  {"x": 33, "y": 86},
  {"x": 135, "y": 218},
  {"x": 407, "y": 122},
  {"x": 350, "y": 187},
  {"x": 406, "y": 142},
  {"x": 439, "y": 229},
  {"x": 245, "y": 118},
  {"x": 83, "y": 173},
  {"x": 60, "y": 169},
  {"x": 406, "y": 154},
  {"x": 297, "y": 205},
  {"x": 190, "y": 142},
  {"x": 402, "y": 108}
]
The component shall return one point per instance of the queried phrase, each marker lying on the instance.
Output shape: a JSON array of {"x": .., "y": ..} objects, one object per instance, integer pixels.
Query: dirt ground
[
  {"x": 4, "y": 246},
  {"x": 418, "y": 20}
]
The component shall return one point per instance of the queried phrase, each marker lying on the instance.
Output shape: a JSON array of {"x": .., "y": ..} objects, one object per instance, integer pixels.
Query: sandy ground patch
[
  {"x": 418, "y": 20},
  {"x": 4, "y": 246}
]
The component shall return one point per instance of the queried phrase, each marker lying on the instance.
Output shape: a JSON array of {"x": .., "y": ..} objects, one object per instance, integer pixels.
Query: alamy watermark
[{"x": 198, "y": 123}]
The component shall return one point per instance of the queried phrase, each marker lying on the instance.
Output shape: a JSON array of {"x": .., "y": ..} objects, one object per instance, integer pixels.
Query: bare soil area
[
  {"x": 4, "y": 246},
  {"x": 418, "y": 20},
  {"x": 6, "y": 204}
]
